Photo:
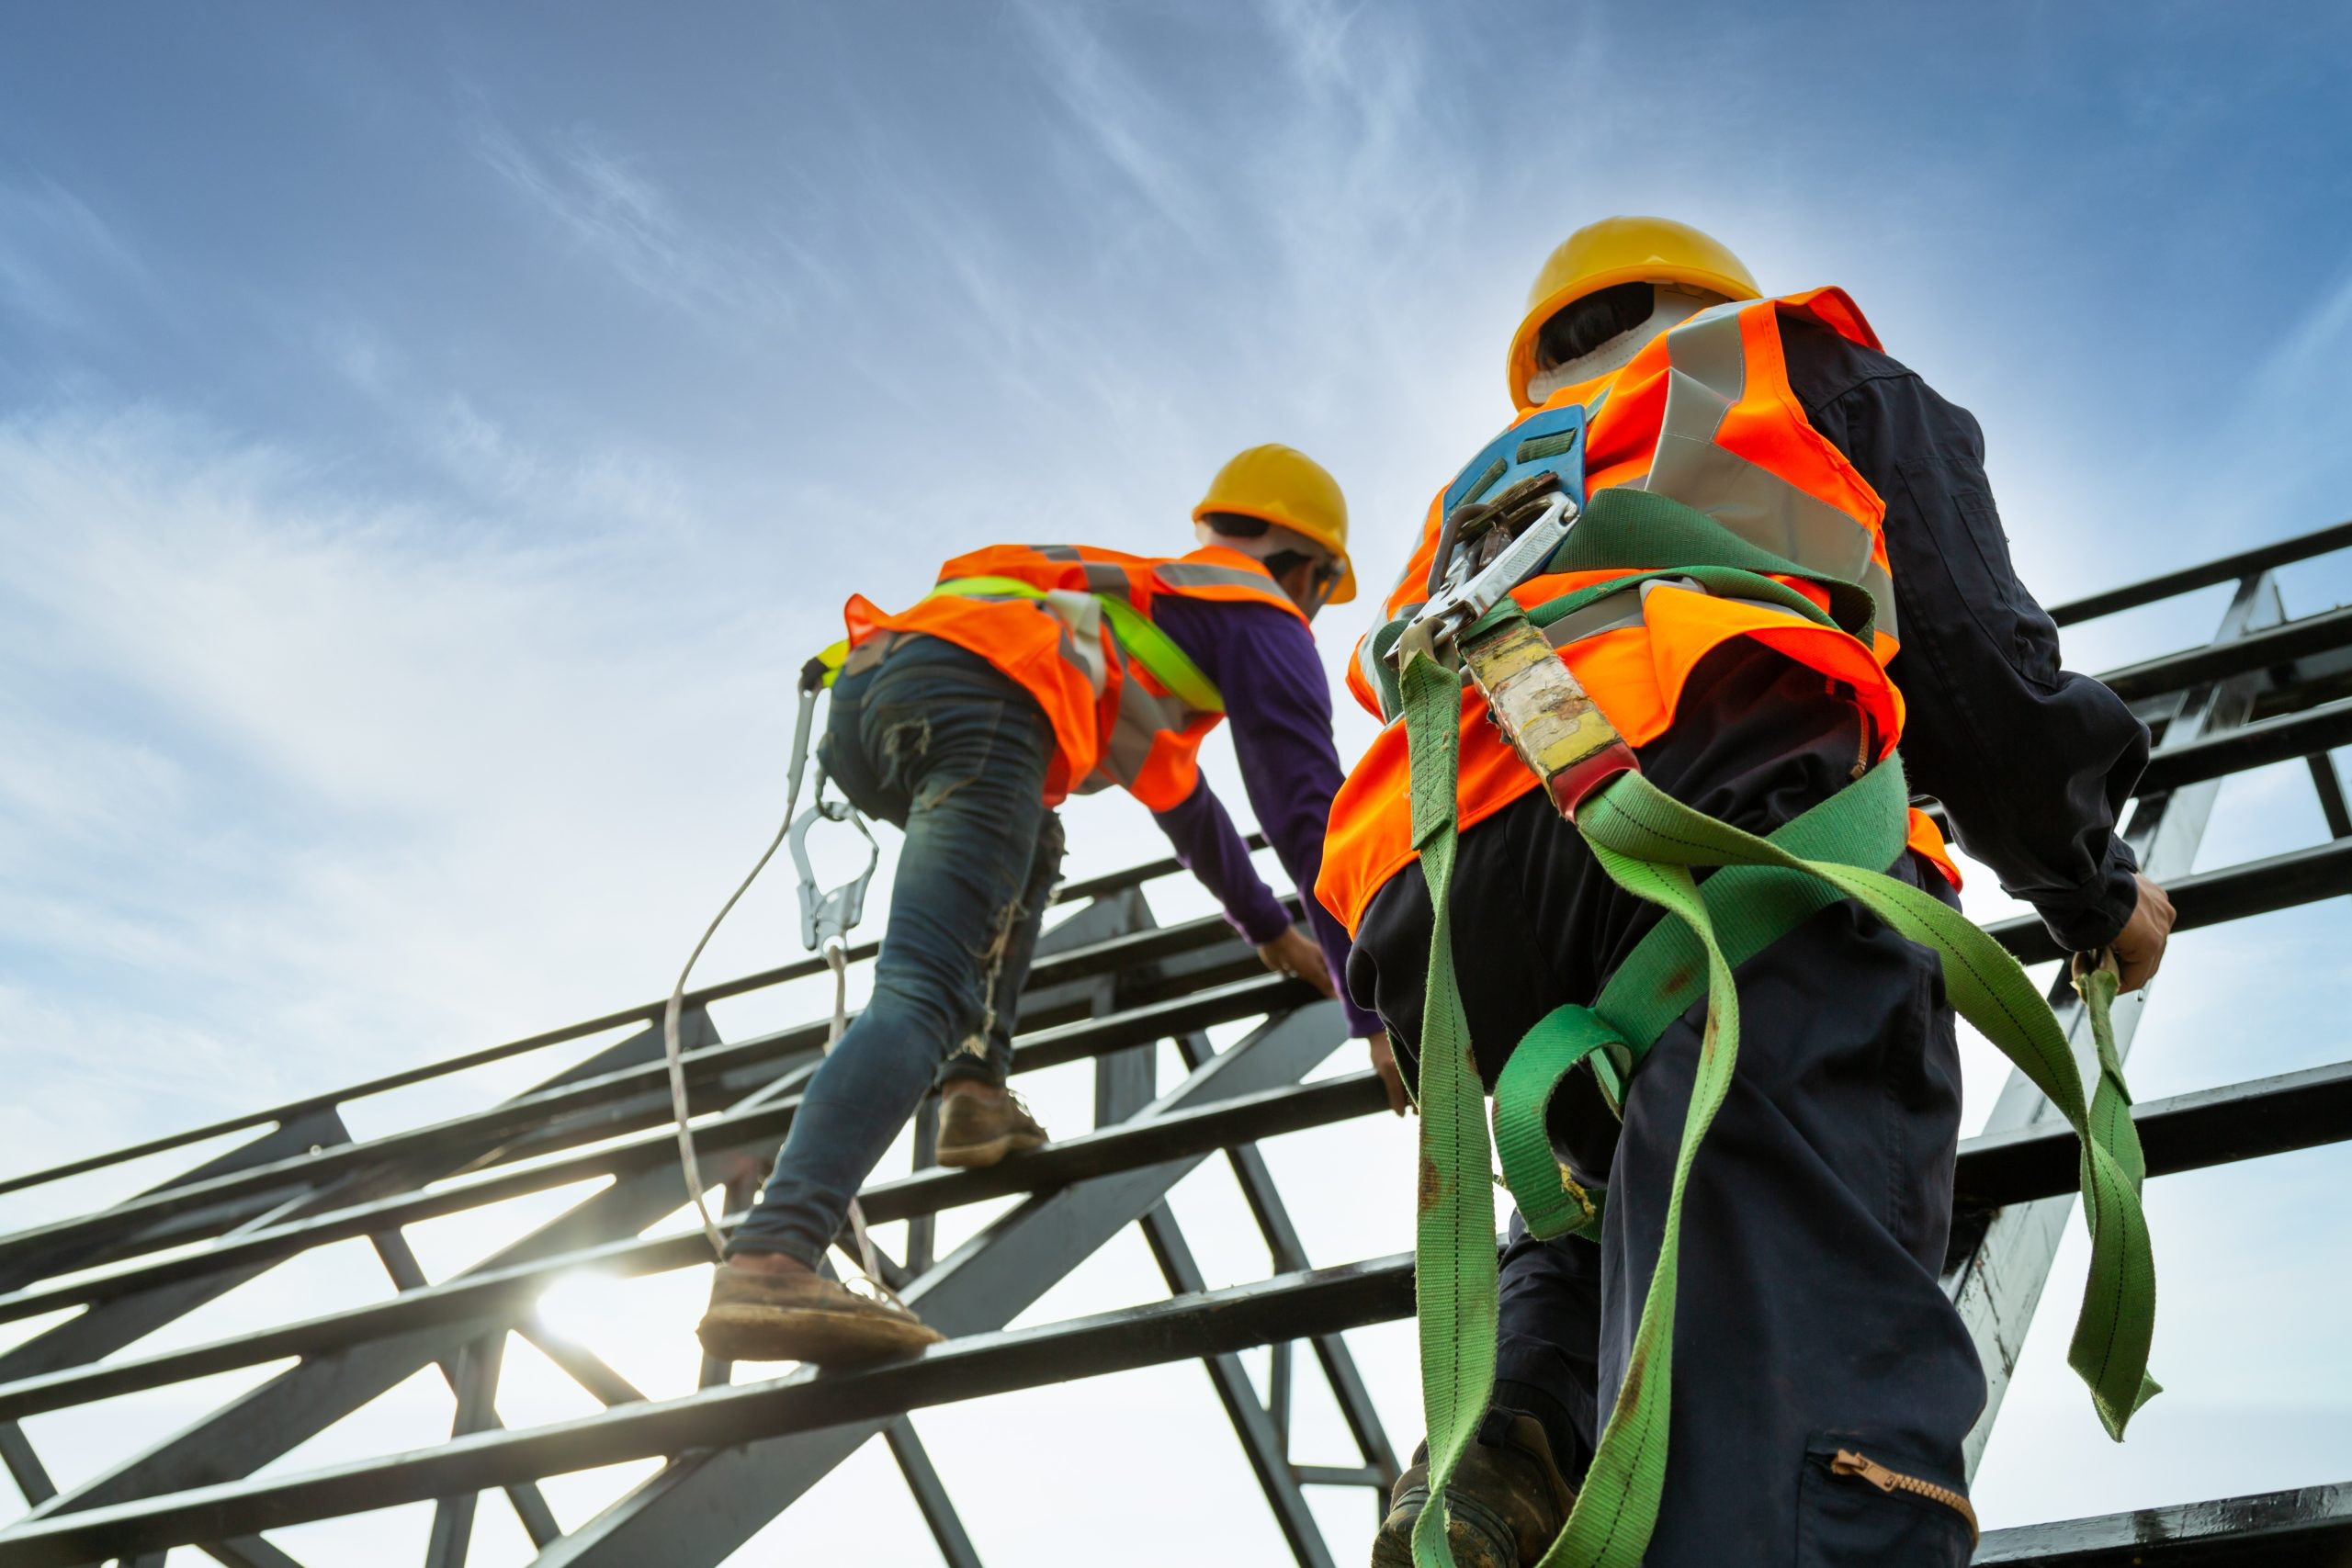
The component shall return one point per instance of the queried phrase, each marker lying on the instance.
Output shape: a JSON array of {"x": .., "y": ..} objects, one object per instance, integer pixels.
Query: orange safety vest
[
  {"x": 1703, "y": 413},
  {"x": 1126, "y": 707}
]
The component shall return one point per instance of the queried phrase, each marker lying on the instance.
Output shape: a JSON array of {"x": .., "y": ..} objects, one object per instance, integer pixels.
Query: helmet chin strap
[{"x": 1674, "y": 306}]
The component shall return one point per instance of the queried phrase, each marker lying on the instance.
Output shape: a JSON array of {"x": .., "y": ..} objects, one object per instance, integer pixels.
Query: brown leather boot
[
  {"x": 977, "y": 1130},
  {"x": 1505, "y": 1502},
  {"x": 758, "y": 1317}
]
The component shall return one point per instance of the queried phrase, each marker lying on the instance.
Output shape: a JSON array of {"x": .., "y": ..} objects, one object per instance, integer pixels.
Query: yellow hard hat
[
  {"x": 1283, "y": 486},
  {"x": 1622, "y": 250}
]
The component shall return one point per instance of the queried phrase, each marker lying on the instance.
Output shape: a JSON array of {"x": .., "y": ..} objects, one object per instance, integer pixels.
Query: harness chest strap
[{"x": 1648, "y": 844}]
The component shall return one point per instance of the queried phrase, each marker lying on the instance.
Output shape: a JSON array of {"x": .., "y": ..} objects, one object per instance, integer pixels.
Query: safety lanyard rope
[
  {"x": 1649, "y": 844},
  {"x": 826, "y": 923}
]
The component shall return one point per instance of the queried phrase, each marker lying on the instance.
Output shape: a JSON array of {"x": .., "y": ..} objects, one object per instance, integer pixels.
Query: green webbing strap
[
  {"x": 1751, "y": 906},
  {"x": 1553, "y": 1202},
  {"x": 1455, "y": 1270},
  {"x": 1647, "y": 843},
  {"x": 1865, "y": 825},
  {"x": 1723, "y": 582},
  {"x": 1454, "y": 1260},
  {"x": 1636, "y": 829},
  {"x": 1145, "y": 643},
  {"x": 1622, "y": 527},
  {"x": 1383, "y": 665}
]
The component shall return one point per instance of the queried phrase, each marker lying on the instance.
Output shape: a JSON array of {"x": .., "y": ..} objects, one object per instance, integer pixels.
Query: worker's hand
[
  {"x": 1296, "y": 954},
  {"x": 1384, "y": 1062},
  {"x": 2139, "y": 947}
]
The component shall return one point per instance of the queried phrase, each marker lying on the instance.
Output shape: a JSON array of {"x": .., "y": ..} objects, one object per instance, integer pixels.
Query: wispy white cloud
[
  {"x": 1126, "y": 117},
  {"x": 51, "y": 241},
  {"x": 2292, "y": 389},
  {"x": 616, "y": 214},
  {"x": 265, "y": 732}
]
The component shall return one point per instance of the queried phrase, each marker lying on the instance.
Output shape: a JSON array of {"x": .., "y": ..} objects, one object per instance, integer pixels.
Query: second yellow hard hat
[
  {"x": 1622, "y": 250},
  {"x": 1283, "y": 486}
]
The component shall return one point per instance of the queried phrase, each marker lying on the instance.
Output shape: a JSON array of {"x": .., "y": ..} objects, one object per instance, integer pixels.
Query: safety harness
[{"x": 1762, "y": 887}]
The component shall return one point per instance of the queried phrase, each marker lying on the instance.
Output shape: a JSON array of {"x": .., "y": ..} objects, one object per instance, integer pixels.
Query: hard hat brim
[{"x": 1520, "y": 366}]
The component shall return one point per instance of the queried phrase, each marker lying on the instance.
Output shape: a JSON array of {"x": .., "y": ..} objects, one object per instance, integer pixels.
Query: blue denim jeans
[{"x": 935, "y": 741}]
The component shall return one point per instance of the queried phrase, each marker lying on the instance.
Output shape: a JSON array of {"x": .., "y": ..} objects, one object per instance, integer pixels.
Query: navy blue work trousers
[
  {"x": 937, "y": 740},
  {"x": 1814, "y": 1224}
]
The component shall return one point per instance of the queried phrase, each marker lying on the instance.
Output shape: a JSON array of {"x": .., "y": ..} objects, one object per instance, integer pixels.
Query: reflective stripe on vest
[
  {"x": 1709, "y": 364},
  {"x": 1127, "y": 706}
]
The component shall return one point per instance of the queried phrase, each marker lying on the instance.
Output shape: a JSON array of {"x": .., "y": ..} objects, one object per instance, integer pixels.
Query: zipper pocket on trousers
[{"x": 1846, "y": 1462}]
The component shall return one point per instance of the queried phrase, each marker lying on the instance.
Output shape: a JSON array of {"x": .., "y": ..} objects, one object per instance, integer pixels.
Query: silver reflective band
[
  {"x": 1707, "y": 374},
  {"x": 1143, "y": 716},
  {"x": 1611, "y": 613},
  {"x": 1202, "y": 574}
]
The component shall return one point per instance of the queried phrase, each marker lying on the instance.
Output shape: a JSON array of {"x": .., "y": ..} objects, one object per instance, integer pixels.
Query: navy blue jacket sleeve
[{"x": 2033, "y": 763}]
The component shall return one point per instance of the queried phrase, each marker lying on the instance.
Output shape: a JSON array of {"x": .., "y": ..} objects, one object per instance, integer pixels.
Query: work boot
[
  {"x": 759, "y": 1317},
  {"x": 1504, "y": 1504},
  {"x": 977, "y": 1130}
]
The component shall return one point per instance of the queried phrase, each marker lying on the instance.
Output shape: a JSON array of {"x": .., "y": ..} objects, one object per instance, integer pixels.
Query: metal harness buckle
[
  {"x": 1531, "y": 696},
  {"x": 830, "y": 917},
  {"x": 1487, "y": 551}
]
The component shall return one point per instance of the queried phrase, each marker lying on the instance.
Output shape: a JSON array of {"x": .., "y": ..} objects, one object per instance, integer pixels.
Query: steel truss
[{"x": 1110, "y": 985}]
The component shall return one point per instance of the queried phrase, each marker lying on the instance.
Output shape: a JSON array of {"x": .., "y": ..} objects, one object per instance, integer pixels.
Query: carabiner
[{"x": 830, "y": 917}]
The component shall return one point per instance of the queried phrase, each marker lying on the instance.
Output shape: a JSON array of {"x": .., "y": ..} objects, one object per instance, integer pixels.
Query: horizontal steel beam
[
  {"x": 1124, "y": 1146},
  {"x": 2256, "y": 745},
  {"x": 2215, "y": 895},
  {"x": 2184, "y": 1132},
  {"x": 2215, "y": 898},
  {"x": 2310, "y": 1527},
  {"x": 1097, "y": 958},
  {"x": 2209, "y": 898},
  {"x": 1120, "y": 881},
  {"x": 1055, "y": 1046},
  {"x": 2228, "y": 569},
  {"x": 2213, "y": 661},
  {"x": 1181, "y": 1330}
]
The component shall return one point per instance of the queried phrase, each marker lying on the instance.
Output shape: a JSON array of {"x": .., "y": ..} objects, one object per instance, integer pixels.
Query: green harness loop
[{"x": 1649, "y": 844}]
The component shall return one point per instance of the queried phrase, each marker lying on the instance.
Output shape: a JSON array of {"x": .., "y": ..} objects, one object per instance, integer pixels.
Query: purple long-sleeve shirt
[{"x": 1278, "y": 705}]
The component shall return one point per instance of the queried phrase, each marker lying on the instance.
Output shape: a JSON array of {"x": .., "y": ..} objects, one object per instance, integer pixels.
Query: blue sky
[{"x": 430, "y": 438}]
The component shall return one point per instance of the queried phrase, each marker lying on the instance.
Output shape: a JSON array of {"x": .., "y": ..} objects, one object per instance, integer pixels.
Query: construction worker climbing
[
  {"x": 1727, "y": 556},
  {"x": 1028, "y": 674}
]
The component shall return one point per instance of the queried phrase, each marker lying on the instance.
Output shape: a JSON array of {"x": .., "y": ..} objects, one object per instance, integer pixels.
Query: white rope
[
  {"x": 678, "y": 1105},
  {"x": 837, "y": 959}
]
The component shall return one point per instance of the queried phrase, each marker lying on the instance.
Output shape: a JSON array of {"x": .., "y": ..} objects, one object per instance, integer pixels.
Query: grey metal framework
[{"x": 1111, "y": 985}]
